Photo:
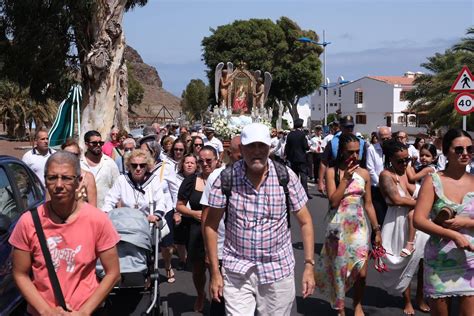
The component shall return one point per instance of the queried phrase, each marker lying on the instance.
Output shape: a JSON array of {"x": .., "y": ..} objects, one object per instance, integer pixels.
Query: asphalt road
[{"x": 181, "y": 295}]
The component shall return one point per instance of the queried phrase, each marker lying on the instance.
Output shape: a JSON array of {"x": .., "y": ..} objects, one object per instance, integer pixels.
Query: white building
[
  {"x": 304, "y": 113},
  {"x": 373, "y": 101}
]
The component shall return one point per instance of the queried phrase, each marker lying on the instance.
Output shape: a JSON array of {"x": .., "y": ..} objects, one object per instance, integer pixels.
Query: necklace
[
  {"x": 62, "y": 219},
  {"x": 136, "y": 195}
]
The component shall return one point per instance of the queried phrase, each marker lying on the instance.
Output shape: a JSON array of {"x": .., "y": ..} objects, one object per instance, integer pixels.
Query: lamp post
[{"x": 325, "y": 87}]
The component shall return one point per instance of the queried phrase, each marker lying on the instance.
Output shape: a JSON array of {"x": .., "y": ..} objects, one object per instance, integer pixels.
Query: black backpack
[{"x": 227, "y": 180}]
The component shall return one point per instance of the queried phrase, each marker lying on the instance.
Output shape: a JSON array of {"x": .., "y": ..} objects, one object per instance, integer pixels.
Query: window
[
  {"x": 28, "y": 187},
  {"x": 361, "y": 119},
  {"x": 401, "y": 119},
  {"x": 334, "y": 92},
  {"x": 7, "y": 199},
  {"x": 403, "y": 95},
  {"x": 340, "y": 92},
  {"x": 319, "y": 91},
  {"x": 358, "y": 97}
]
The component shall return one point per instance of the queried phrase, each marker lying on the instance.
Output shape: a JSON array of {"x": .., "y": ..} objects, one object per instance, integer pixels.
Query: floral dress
[
  {"x": 346, "y": 245},
  {"x": 449, "y": 271}
]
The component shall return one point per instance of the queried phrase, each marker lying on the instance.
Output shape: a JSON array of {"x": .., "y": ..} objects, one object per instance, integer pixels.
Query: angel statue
[
  {"x": 262, "y": 88},
  {"x": 222, "y": 82}
]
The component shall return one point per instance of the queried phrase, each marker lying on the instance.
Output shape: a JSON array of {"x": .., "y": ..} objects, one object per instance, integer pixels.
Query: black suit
[{"x": 295, "y": 152}]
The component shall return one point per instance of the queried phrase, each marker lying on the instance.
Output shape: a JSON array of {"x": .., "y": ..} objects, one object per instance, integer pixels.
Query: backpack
[{"x": 283, "y": 179}]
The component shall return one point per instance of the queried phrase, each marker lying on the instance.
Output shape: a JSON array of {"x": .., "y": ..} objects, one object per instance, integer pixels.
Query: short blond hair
[{"x": 143, "y": 154}]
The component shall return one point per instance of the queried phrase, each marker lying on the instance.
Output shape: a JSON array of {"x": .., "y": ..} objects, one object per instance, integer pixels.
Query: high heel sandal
[
  {"x": 377, "y": 253},
  {"x": 407, "y": 252},
  {"x": 170, "y": 275}
]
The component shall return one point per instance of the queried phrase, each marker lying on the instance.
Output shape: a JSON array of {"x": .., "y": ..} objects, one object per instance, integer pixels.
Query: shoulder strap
[
  {"x": 58, "y": 293},
  {"x": 438, "y": 185},
  {"x": 162, "y": 171},
  {"x": 284, "y": 179},
  {"x": 226, "y": 186}
]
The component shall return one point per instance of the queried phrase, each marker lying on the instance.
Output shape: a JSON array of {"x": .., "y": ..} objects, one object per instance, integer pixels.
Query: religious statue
[
  {"x": 262, "y": 89},
  {"x": 240, "y": 100},
  {"x": 222, "y": 82}
]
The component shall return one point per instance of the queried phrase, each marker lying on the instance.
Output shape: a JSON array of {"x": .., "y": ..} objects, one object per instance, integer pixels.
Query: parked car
[{"x": 20, "y": 191}]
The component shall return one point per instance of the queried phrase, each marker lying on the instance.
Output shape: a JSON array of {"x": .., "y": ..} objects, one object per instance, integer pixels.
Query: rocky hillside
[{"x": 155, "y": 97}]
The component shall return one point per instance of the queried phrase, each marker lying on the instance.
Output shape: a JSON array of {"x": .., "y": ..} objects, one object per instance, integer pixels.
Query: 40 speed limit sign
[{"x": 464, "y": 103}]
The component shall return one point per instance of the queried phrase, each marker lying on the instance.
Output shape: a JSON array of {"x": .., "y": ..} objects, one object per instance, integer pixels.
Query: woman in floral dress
[
  {"x": 343, "y": 260},
  {"x": 449, "y": 253}
]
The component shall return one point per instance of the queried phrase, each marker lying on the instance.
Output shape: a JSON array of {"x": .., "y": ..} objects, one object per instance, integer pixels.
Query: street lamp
[{"x": 325, "y": 85}]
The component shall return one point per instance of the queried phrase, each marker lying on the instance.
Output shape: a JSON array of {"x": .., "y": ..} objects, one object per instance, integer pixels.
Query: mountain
[{"x": 157, "y": 104}]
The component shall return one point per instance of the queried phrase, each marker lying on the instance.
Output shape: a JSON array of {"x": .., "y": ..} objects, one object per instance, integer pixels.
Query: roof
[{"x": 401, "y": 80}]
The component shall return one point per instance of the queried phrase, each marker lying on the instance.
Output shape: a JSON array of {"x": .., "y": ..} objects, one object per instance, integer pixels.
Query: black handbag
[{"x": 58, "y": 293}]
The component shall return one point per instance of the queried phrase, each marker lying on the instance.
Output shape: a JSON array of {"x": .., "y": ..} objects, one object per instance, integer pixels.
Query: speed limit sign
[{"x": 464, "y": 103}]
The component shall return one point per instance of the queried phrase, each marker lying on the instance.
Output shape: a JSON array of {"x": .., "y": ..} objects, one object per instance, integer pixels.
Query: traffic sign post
[{"x": 464, "y": 102}]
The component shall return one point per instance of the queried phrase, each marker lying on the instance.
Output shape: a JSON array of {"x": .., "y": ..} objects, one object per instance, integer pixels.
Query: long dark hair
[
  {"x": 391, "y": 147},
  {"x": 344, "y": 139},
  {"x": 417, "y": 141},
  {"x": 451, "y": 135}
]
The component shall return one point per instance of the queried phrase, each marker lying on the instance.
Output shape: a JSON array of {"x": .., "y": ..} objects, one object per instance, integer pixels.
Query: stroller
[{"x": 138, "y": 291}]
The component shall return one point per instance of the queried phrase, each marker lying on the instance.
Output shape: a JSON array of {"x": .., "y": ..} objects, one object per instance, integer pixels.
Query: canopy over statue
[{"x": 240, "y": 91}]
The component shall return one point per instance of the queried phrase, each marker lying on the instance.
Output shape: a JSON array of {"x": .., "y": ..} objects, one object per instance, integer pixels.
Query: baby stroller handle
[{"x": 155, "y": 269}]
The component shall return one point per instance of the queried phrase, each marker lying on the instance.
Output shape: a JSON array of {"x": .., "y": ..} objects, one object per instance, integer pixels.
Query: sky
[{"x": 370, "y": 37}]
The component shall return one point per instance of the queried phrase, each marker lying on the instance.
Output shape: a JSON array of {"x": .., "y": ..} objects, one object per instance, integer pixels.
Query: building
[
  {"x": 304, "y": 113},
  {"x": 373, "y": 101}
]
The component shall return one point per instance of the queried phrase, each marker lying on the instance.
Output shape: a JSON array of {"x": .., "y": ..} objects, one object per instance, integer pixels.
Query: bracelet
[
  {"x": 376, "y": 228},
  {"x": 309, "y": 261}
]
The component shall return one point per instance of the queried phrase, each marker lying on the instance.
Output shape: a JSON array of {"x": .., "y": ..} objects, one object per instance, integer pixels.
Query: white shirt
[
  {"x": 166, "y": 177},
  {"x": 317, "y": 145},
  {"x": 375, "y": 163},
  {"x": 328, "y": 138},
  {"x": 125, "y": 191},
  {"x": 214, "y": 142},
  {"x": 37, "y": 161},
  {"x": 105, "y": 173},
  {"x": 204, "y": 201}
]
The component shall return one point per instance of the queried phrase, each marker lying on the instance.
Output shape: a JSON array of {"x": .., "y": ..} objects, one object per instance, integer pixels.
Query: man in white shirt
[
  {"x": 101, "y": 166},
  {"x": 316, "y": 147},
  {"x": 213, "y": 141},
  {"x": 375, "y": 166},
  {"x": 36, "y": 157}
]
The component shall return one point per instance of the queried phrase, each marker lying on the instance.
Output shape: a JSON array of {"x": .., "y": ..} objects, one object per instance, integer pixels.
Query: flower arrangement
[{"x": 226, "y": 129}]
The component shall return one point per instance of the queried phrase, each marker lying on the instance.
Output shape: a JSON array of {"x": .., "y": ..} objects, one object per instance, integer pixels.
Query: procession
[{"x": 235, "y": 199}]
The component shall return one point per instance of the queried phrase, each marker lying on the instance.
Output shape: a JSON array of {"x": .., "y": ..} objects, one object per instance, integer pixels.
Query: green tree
[
  {"x": 135, "y": 90},
  {"x": 431, "y": 93},
  {"x": 194, "y": 99},
  {"x": 56, "y": 42},
  {"x": 271, "y": 47}
]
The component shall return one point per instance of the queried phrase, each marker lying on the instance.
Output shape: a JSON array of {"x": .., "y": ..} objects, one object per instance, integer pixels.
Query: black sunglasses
[
  {"x": 135, "y": 165},
  {"x": 96, "y": 143},
  {"x": 197, "y": 145},
  {"x": 459, "y": 150},
  {"x": 403, "y": 160},
  {"x": 207, "y": 161},
  {"x": 178, "y": 149}
]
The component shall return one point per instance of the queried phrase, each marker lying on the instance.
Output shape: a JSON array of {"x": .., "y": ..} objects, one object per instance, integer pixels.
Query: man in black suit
[{"x": 295, "y": 152}]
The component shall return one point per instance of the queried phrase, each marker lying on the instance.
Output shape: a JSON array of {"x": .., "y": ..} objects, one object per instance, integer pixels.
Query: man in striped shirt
[{"x": 258, "y": 261}]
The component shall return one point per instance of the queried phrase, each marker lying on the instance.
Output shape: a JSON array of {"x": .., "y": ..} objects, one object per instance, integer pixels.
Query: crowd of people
[{"x": 229, "y": 212}]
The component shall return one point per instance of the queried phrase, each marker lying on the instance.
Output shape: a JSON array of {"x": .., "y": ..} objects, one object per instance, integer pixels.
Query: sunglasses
[
  {"x": 459, "y": 150},
  {"x": 135, "y": 165},
  {"x": 207, "y": 161},
  {"x": 197, "y": 145},
  {"x": 178, "y": 149},
  {"x": 403, "y": 160},
  {"x": 96, "y": 143},
  {"x": 127, "y": 150}
]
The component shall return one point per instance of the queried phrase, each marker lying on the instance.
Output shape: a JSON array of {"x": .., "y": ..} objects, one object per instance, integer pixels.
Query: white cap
[{"x": 255, "y": 132}]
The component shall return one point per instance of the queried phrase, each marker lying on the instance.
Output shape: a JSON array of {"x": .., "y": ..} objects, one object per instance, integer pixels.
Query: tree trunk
[{"x": 104, "y": 73}]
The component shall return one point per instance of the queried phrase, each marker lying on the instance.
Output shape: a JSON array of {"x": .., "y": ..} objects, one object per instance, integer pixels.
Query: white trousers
[{"x": 243, "y": 295}]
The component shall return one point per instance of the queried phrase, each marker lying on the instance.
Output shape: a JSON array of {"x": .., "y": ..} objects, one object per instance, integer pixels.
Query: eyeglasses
[
  {"x": 127, "y": 150},
  {"x": 197, "y": 145},
  {"x": 96, "y": 143},
  {"x": 385, "y": 138},
  {"x": 135, "y": 165},
  {"x": 207, "y": 161},
  {"x": 178, "y": 149},
  {"x": 403, "y": 160},
  {"x": 459, "y": 150},
  {"x": 50, "y": 179}
]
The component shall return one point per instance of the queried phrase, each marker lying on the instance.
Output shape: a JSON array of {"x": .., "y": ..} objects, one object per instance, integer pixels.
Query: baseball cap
[
  {"x": 255, "y": 133},
  {"x": 346, "y": 121}
]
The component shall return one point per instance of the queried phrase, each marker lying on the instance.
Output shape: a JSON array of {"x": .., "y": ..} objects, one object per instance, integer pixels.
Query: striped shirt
[{"x": 257, "y": 231}]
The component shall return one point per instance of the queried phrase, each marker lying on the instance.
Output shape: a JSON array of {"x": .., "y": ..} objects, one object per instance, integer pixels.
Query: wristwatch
[{"x": 309, "y": 261}]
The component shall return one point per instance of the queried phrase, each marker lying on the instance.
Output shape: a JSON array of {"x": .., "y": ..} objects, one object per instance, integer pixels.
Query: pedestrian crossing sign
[{"x": 464, "y": 82}]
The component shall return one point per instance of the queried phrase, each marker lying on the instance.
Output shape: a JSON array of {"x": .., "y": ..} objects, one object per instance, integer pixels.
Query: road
[{"x": 377, "y": 302}]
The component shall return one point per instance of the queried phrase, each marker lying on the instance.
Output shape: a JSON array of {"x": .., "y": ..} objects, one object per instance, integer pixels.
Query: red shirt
[{"x": 74, "y": 248}]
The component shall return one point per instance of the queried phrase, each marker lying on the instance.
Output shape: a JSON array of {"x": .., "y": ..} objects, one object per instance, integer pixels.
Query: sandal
[
  {"x": 407, "y": 252},
  {"x": 170, "y": 275}
]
